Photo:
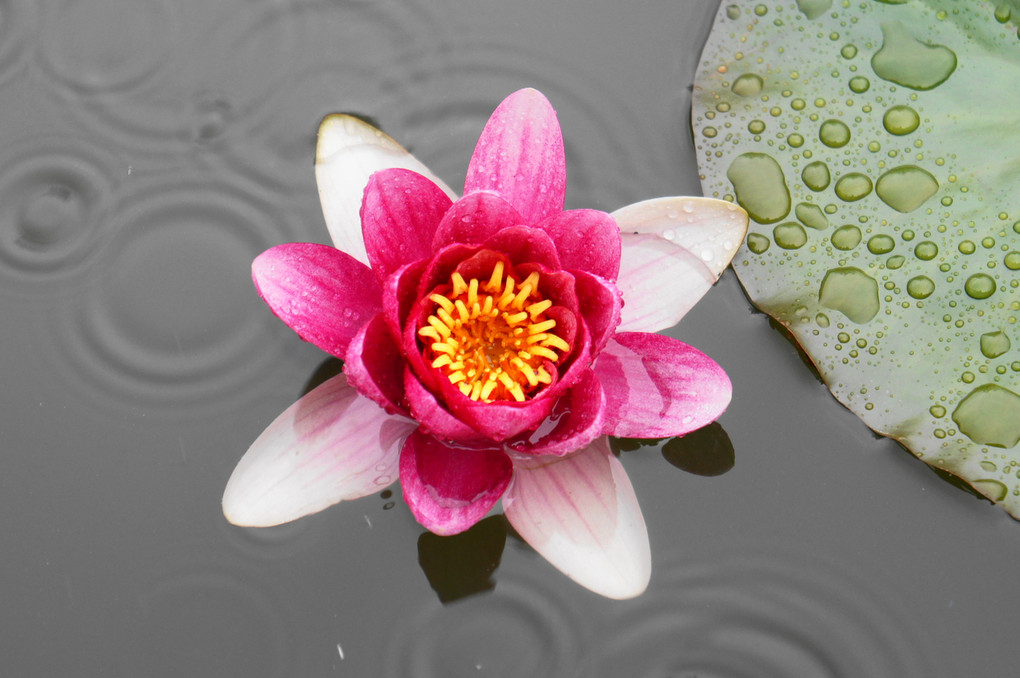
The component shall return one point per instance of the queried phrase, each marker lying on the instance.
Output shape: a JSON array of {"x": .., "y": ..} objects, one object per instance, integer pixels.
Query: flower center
[{"x": 493, "y": 339}]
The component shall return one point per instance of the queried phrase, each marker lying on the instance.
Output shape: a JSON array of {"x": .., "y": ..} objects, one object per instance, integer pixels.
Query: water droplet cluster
[{"x": 886, "y": 220}]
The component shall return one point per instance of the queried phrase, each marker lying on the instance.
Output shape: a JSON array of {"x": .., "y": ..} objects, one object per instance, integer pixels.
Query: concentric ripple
[
  {"x": 205, "y": 619},
  {"x": 757, "y": 614},
  {"x": 522, "y": 630},
  {"x": 55, "y": 198},
  {"x": 174, "y": 320},
  {"x": 274, "y": 104},
  {"x": 17, "y": 25},
  {"x": 270, "y": 543},
  {"x": 138, "y": 36},
  {"x": 613, "y": 156}
]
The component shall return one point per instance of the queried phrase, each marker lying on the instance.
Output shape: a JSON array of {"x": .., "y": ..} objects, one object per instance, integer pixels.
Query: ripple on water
[
  {"x": 108, "y": 46},
  {"x": 744, "y": 615},
  {"x": 275, "y": 144},
  {"x": 613, "y": 156},
  {"x": 194, "y": 621},
  {"x": 279, "y": 541},
  {"x": 172, "y": 318},
  {"x": 55, "y": 198},
  {"x": 338, "y": 57},
  {"x": 522, "y": 630},
  {"x": 17, "y": 27}
]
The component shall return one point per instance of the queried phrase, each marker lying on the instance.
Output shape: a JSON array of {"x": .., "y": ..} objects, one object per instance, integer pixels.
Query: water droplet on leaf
[
  {"x": 850, "y": 291},
  {"x": 906, "y": 188},
  {"x": 760, "y": 185},
  {"x": 905, "y": 60}
]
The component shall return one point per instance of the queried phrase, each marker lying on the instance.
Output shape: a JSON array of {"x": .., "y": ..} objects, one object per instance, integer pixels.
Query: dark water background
[{"x": 150, "y": 149}]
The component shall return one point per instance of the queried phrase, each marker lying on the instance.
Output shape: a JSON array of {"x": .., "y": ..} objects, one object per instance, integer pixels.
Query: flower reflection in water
[{"x": 491, "y": 343}]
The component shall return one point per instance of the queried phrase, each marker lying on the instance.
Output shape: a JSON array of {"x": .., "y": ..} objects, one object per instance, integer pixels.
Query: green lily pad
[{"x": 876, "y": 146}]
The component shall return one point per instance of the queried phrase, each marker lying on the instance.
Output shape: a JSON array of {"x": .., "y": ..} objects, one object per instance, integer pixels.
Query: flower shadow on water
[
  {"x": 707, "y": 451},
  {"x": 462, "y": 565},
  {"x": 327, "y": 369}
]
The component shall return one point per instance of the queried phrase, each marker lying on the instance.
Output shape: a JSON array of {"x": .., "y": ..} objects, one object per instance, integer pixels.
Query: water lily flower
[{"x": 491, "y": 343}]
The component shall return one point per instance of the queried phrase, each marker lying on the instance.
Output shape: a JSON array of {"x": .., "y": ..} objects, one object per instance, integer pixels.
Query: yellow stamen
[
  {"x": 462, "y": 311},
  {"x": 539, "y": 308},
  {"x": 516, "y": 318},
  {"x": 544, "y": 352},
  {"x": 442, "y": 301},
  {"x": 492, "y": 338},
  {"x": 542, "y": 326},
  {"x": 554, "y": 341},
  {"x": 496, "y": 281},
  {"x": 439, "y": 326},
  {"x": 445, "y": 317},
  {"x": 429, "y": 333},
  {"x": 449, "y": 348}
]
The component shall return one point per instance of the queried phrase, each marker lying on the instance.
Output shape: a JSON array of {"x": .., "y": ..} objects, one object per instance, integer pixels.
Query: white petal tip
[
  {"x": 341, "y": 131},
  {"x": 581, "y": 514}
]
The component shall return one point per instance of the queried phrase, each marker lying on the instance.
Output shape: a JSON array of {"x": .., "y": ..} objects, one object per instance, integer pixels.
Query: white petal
[
  {"x": 674, "y": 249},
  {"x": 329, "y": 446},
  {"x": 581, "y": 514},
  {"x": 348, "y": 152}
]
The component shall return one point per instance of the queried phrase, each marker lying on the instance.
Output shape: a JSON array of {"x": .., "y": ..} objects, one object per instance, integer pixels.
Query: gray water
[{"x": 149, "y": 150}]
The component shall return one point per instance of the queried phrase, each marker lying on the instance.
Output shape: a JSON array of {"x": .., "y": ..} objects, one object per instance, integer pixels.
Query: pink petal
[
  {"x": 329, "y": 446},
  {"x": 473, "y": 219},
  {"x": 581, "y": 514},
  {"x": 674, "y": 249},
  {"x": 399, "y": 295},
  {"x": 657, "y": 386},
  {"x": 497, "y": 420},
  {"x": 348, "y": 152},
  {"x": 445, "y": 262},
  {"x": 524, "y": 244},
  {"x": 433, "y": 417},
  {"x": 520, "y": 156},
  {"x": 599, "y": 302},
  {"x": 321, "y": 293},
  {"x": 449, "y": 489},
  {"x": 375, "y": 366},
  {"x": 576, "y": 420},
  {"x": 399, "y": 216},
  {"x": 588, "y": 240}
]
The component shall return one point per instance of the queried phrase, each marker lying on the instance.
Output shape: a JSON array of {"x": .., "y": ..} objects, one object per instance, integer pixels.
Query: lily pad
[{"x": 889, "y": 130}]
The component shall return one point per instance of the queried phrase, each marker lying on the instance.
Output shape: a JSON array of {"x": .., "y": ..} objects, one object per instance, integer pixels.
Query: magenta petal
[
  {"x": 657, "y": 386},
  {"x": 449, "y": 489},
  {"x": 329, "y": 446},
  {"x": 599, "y": 302},
  {"x": 520, "y": 156},
  {"x": 582, "y": 515},
  {"x": 576, "y": 420},
  {"x": 399, "y": 215},
  {"x": 498, "y": 420},
  {"x": 524, "y": 244},
  {"x": 588, "y": 240},
  {"x": 434, "y": 418},
  {"x": 321, "y": 293},
  {"x": 348, "y": 152},
  {"x": 375, "y": 366},
  {"x": 399, "y": 295},
  {"x": 473, "y": 219}
]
